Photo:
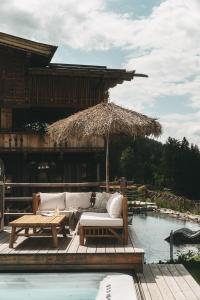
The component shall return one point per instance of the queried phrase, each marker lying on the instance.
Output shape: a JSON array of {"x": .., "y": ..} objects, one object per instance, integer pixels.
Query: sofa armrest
[
  {"x": 35, "y": 202},
  {"x": 125, "y": 219}
]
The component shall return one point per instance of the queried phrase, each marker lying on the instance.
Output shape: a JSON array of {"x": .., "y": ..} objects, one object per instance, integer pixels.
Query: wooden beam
[{"x": 2, "y": 205}]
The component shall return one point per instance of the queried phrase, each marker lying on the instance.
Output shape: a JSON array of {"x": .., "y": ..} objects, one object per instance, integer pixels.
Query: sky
[{"x": 160, "y": 38}]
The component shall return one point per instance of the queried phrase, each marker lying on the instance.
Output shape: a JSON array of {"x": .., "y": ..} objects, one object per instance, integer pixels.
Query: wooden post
[
  {"x": 98, "y": 172},
  {"x": 107, "y": 163},
  {"x": 2, "y": 205},
  {"x": 171, "y": 246}
]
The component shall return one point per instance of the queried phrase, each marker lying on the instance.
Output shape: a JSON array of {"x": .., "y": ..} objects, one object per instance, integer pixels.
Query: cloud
[
  {"x": 179, "y": 125},
  {"x": 166, "y": 47}
]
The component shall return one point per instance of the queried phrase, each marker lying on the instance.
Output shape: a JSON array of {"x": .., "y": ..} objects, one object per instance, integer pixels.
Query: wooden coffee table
[{"x": 38, "y": 223}]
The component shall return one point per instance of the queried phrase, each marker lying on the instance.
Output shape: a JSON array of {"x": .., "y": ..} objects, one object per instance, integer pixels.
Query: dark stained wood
[
  {"x": 26, "y": 45},
  {"x": 6, "y": 118},
  {"x": 33, "y": 142},
  {"x": 2, "y": 205},
  {"x": 27, "y": 77}
]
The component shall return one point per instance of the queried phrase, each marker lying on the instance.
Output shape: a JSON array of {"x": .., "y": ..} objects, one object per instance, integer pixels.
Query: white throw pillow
[
  {"x": 114, "y": 205},
  {"x": 51, "y": 201},
  {"x": 101, "y": 199},
  {"x": 77, "y": 200}
]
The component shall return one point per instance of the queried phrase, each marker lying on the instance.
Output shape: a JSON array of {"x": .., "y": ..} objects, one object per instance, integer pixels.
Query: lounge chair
[{"x": 109, "y": 224}]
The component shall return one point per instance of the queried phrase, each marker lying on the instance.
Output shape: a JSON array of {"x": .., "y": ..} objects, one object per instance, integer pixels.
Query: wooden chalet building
[{"x": 33, "y": 92}]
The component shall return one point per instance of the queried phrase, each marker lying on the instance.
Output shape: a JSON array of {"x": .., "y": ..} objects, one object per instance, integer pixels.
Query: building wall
[
  {"x": 26, "y": 96},
  {"x": 12, "y": 76}
]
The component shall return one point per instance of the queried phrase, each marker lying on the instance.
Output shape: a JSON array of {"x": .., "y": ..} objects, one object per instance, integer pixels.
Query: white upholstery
[
  {"x": 114, "y": 205},
  {"x": 51, "y": 201},
  {"x": 101, "y": 199},
  {"x": 77, "y": 200},
  {"x": 117, "y": 287},
  {"x": 99, "y": 219}
]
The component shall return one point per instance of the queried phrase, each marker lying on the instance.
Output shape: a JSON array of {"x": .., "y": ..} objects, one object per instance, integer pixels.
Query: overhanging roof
[
  {"x": 83, "y": 70},
  {"x": 40, "y": 49}
]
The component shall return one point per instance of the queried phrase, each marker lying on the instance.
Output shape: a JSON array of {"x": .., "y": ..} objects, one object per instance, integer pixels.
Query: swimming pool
[
  {"x": 153, "y": 228},
  {"x": 51, "y": 286}
]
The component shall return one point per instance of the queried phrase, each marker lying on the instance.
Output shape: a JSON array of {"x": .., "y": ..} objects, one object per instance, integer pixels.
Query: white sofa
[
  {"x": 63, "y": 202},
  {"x": 112, "y": 223},
  {"x": 109, "y": 211}
]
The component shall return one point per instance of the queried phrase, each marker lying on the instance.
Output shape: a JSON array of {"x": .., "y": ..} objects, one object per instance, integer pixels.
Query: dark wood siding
[
  {"x": 12, "y": 75},
  {"x": 65, "y": 90}
]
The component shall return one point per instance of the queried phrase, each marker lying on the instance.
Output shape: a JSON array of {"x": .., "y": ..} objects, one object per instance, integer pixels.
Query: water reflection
[{"x": 152, "y": 229}]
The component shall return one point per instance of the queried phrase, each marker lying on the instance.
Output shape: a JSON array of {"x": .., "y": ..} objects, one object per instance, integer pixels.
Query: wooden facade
[{"x": 33, "y": 92}]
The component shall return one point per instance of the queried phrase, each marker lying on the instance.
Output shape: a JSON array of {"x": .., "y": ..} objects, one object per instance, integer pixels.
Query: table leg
[
  {"x": 12, "y": 237},
  {"x": 54, "y": 235},
  {"x": 63, "y": 229},
  {"x": 26, "y": 231}
]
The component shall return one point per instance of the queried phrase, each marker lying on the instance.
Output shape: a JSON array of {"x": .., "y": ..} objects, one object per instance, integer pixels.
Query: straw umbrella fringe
[{"x": 105, "y": 120}]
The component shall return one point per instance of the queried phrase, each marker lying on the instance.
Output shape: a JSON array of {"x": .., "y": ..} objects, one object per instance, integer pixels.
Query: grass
[
  {"x": 194, "y": 271},
  {"x": 191, "y": 262}
]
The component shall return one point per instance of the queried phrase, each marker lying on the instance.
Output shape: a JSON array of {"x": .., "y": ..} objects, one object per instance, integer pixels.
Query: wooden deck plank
[
  {"x": 129, "y": 248},
  {"x": 189, "y": 279},
  {"x": 65, "y": 245},
  {"x": 100, "y": 246},
  {"x": 161, "y": 283},
  {"x": 167, "y": 282},
  {"x": 37, "y": 253},
  {"x": 4, "y": 243},
  {"x": 82, "y": 249},
  {"x": 171, "y": 282},
  {"x": 91, "y": 246},
  {"x": 182, "y": 283},
  {"x": 135, "y": 241},
  {"x": 16, "y": 249},
  {"x": 151, "y": 284},
  {"x": 146, "y": 293},
  {"x": 110, "y": 246},
  {"x": 74, "y": 245}
]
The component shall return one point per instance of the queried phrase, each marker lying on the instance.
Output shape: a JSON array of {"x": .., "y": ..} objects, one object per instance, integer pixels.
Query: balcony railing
[{"x": 35, "y": 142}]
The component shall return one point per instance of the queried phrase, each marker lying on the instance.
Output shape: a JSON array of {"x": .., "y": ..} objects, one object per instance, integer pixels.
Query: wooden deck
[
  {"x": 37, "y": 253},
  {"x": 168, "y": 282}
]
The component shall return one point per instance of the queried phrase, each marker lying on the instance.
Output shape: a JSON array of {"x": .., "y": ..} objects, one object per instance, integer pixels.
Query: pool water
[
  {"x": 51, "y": 286},
  {"x": 153, "y": 228}
]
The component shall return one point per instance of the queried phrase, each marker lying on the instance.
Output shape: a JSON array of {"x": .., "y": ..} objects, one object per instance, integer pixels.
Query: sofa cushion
[
  {"x": 51, "y": 201},
  {"x": 77, "y": 200},
  {"x": 114, "y": 205},
  {"x": 99, "y": 219},
  {"x": 101, "y": 199}
]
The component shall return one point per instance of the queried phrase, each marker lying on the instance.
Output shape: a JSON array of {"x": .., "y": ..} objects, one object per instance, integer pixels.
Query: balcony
[{"x": 20, "y": 142}]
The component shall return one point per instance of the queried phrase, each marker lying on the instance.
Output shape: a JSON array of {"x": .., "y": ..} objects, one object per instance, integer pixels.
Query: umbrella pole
[{"x": 107, "y": 163}]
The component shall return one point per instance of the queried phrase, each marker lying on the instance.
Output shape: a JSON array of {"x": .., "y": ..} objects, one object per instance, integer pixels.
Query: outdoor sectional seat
[
  {"x": 63, "y": 202},
  {"x": 113, "y": 223},
  {"x": 101, "y": 214}
]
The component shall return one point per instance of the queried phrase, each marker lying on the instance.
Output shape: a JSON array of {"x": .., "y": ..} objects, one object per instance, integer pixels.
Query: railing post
[
  {"x": 171, "y": 247},
  {"x": 2, "y": 205}
]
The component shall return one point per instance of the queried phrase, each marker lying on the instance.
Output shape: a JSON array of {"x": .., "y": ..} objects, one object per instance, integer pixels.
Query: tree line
[{"x": 174, "y": 165}]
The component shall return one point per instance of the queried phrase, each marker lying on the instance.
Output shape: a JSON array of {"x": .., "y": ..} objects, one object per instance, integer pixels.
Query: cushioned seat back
[
  {"x": 114, "y": 205},
  {"x": 101, "y": 199},
  {"x": 77, "y": 200},
  {"x": 51, "y": 201}
]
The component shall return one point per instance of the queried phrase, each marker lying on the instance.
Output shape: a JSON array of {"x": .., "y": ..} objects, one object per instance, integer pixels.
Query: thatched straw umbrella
[{"x": 105, "y": 120}]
